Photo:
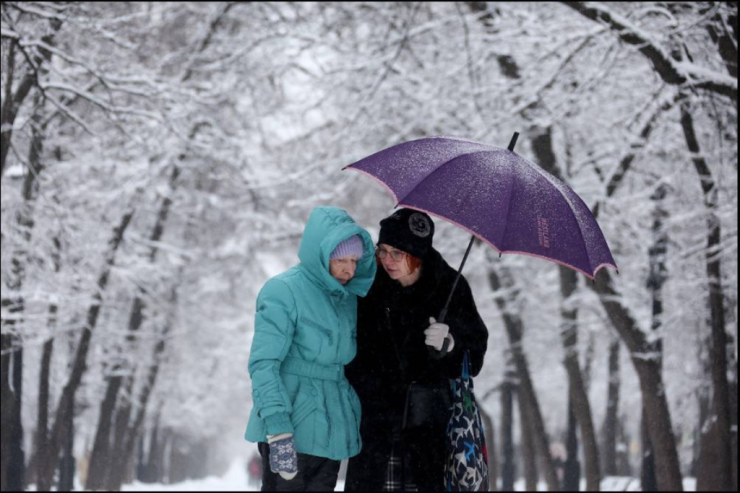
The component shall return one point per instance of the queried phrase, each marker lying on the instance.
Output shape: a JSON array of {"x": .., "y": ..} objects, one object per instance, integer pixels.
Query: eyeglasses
[{"x": 396, "y": 255}]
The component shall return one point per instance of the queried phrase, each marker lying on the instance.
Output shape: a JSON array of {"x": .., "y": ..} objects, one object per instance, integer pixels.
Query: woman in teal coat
[{"x": 306, "y": 416}]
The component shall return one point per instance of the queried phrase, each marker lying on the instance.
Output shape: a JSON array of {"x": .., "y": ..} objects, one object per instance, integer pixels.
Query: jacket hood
[{"x": 325, "y": 229}]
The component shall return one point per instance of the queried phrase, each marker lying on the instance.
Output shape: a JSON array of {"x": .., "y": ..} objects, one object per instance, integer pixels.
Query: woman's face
[
  {"x": 343, "y": 269},
  {"x": 395, "y": 262}
]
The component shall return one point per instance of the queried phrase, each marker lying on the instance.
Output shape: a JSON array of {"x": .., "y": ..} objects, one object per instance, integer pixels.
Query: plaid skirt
[{"x": 398, "y": 477}]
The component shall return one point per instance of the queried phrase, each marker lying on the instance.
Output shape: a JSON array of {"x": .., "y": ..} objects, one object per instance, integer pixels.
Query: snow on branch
[
  {"x": 30, "y": 9},
  {"x": 99, "y": 102},
  {"x": 104, "y": 79},
  {"x": 8, "y": 33},
  {"x": 670, "y": 70}
]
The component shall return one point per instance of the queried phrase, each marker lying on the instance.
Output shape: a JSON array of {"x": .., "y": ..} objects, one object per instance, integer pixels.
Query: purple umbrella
[{"x": 496, "y": 195}]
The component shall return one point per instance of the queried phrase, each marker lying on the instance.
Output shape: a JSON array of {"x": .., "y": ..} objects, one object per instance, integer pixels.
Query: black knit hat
[{"x": 408, "y": 230}]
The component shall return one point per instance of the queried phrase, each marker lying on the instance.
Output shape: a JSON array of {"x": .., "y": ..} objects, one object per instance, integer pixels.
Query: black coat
[{"x": 391, "y": 354}]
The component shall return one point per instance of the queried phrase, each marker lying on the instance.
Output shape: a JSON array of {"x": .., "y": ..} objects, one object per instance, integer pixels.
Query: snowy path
[{"x": 236, "y": 479}]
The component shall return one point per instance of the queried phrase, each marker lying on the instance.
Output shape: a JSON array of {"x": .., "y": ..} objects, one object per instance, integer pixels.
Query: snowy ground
[{"x": 236, "y": 479}]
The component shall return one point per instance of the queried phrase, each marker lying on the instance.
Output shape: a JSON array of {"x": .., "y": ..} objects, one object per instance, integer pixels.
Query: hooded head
[
  {"x": 330, "y": 230},
  {"x": 352, "y": 246}
]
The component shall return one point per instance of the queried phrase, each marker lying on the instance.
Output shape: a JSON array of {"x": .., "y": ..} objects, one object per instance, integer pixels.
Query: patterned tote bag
[{"x": 467, "y": 457}]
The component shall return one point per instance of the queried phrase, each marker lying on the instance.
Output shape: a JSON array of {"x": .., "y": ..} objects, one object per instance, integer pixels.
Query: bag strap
[{"x": 466, "y": 366}]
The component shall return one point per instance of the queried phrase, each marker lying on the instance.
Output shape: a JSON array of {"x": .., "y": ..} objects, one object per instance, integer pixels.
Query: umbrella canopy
[{"x": 496, "y": 195}]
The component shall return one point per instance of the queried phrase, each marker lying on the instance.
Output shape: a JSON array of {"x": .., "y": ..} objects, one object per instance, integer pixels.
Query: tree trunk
[
  {"x": 508, "y": 463},
  {"x": 528, "y": 398},
  {"x": 651, "y": 385},
  {"x": 490, "y": 436},
  {"x": 572, "y": 467},
  {"x": 624, "y": 465},
  {"x": 529, "y": 456},
  {"x": 141, "y": 460},
  {"x": 719, "y": 477},
  {"x": 656, "y": 279},
  {"x": 131, "y": 430},
  {"x": 65, "y": 409},
  {"x": 543, "y": 149},
  {"x": 581, "y": 408},
  {"x": 15, "y": 467},
  {"x": 146, "y": 472},
  {"x": 13, "y": 103},
  {"x": 178, "y": 459},
  {"x": 611, "y": 421},
  {"x": 156, "y": 457},
  {"x": 134, "y": 431},
  {"x": 118, "y": 462},
  {"x": 657, "y": 413},
  {"x": 725, "y": 40},
  {"x": 67, "y": 465},
  {"x": 152, "y": 471},
  {"x": 101, "y": 460},
  {"x": 16, "y": 478},
  {"x": 527, "y": 395},
  {"x": 43, "y": 478},
  {"x": 6, "y": 406},
  {"x": 667, "y": 456},
  {"x": 733, "y": 410},
  {"x": 648, "y": 478}
]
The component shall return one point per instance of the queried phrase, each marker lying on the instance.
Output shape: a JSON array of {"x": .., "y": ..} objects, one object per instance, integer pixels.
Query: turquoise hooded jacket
[{"x": 305, "y": 333}]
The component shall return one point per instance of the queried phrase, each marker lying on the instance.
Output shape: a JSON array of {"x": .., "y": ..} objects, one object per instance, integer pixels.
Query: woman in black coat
[{"x": 400, "y": 347}]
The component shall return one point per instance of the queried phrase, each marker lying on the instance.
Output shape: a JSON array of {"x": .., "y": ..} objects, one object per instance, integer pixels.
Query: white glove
[{"x": 436, "y": 335}]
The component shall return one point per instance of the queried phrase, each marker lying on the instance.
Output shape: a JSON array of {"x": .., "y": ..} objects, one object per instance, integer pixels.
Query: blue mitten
[{"x": 283, "y": 457}]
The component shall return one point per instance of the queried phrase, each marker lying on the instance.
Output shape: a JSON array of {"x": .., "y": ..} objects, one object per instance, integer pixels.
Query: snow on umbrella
[{"x": 496, "y": 195}]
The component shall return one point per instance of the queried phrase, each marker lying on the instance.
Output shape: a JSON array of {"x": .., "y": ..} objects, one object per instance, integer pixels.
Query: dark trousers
[{"x": 314, "y": 473}]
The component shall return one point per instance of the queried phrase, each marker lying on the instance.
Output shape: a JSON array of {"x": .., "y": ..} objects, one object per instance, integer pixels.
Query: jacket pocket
[
  {"x": 323, "y": 429},
  {"x": 303, "y": 407}
]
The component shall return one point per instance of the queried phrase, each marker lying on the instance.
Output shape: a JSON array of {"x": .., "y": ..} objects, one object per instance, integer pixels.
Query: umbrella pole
[{"x": 443, "y": 313}]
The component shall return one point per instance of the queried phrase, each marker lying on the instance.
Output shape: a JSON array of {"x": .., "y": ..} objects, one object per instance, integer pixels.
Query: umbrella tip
[
  {"x": 500, "y": 254},
  {"x": 513, "y": 141}
]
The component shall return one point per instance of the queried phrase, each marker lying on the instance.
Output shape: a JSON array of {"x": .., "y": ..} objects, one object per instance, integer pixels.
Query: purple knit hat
[{"x": 351, "y": 246}]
